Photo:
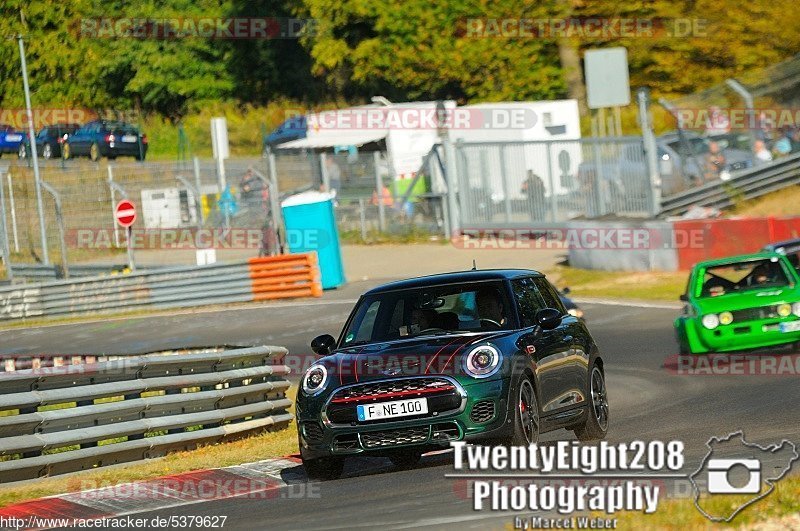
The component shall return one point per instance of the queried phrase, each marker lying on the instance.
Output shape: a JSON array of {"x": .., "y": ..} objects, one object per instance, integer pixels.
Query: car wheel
[
  {"x": 65, "y": 152},
  {"x": 596, "y": 425},
  {"x": 140, "y": 156},
  {"x": 405, "y": 460},
  {"x": 324, "y": 468},
  {"x": 47, "y": 151},
  {"x": 94, "y": 152},
  {"x": 23, "y": 152},
  {"x": 525, "y": 410}
]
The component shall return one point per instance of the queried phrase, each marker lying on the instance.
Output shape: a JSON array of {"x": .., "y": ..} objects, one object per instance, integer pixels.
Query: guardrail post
[
  {"x": 4, "y": 232},
  {"x": 274, "y": 199},
  {"x": 13, "y": 211},
  {"x": 198, "y": 184},
  {"x": 643, "y": 97},
  {"x": 61, "y": 230}
]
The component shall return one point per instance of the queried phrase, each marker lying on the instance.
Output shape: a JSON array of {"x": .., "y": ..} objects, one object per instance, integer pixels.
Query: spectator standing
[
  {"x": 761, "y": 152},
  {"x": 715, "y": 162}
]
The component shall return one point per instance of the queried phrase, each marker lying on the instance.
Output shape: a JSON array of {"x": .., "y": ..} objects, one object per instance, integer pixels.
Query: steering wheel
[{"x": 495, "y": 323}]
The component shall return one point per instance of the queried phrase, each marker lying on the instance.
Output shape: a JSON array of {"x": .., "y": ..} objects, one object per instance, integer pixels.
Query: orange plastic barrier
[
  {"x": 728, "y": 237},
  {"x": 285, "y": 276}
]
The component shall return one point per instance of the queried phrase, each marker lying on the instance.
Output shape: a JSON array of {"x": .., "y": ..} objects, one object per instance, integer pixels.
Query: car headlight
[
  {"x": 725, "y": 318},
  {"x": 482, "y": 362},
  {"x": 314, "y": 379},
  {"x": 575, "y": 312},
  {"x": 784, "y": 310},
  {"x": 711, "y": 321},
  {"x": 796, "y": 309}
]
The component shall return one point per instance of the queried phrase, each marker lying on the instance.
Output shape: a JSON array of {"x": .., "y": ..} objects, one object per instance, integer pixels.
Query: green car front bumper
[
  {"x": 481, "y": 414},
  {"x": 694, "y": 338}
]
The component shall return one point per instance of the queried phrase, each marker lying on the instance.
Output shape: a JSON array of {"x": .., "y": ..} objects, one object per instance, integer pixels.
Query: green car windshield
[
  {"x": 436, "y": 310},
  {"x": 743, "y": 276}
]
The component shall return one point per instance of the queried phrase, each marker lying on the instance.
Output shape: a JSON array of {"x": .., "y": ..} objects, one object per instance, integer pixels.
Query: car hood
[
  {"x": 748, "y": 299},
  {"x": 410, "y": 357}
]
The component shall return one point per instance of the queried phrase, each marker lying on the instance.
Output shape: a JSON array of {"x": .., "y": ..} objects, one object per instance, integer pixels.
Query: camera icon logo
[{"x": 719, "y": 481}]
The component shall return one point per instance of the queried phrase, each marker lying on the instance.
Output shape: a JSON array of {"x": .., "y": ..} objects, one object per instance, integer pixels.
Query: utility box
[{"x": 168, "y": 208}]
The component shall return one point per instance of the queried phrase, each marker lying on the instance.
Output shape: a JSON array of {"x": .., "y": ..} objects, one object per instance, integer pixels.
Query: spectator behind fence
[
  {"x": 252, "y": 190},
  {"x": 388, "y": 200},
  {"x": 761, "y": 152},
  {"x": 715, "y": 162},
  {"x": 795, "y": 140},
  {"x": 334, "y": 173}
]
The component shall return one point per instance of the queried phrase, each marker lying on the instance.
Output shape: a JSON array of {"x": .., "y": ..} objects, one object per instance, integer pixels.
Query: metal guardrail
[
  {"x": 76, "y": 417},
  {"x": 275, "y": 277},
  {"x": 40, "y": 272},
  {"x": 748, "y": 184}
]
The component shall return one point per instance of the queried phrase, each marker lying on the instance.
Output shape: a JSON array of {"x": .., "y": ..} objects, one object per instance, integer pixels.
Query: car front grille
[
  {"x": 390, "y": 389},
  {"x": 482, "y": 411},
  {"x": 754, "y": 314},
  {"x": 441, "y": 394},
  {"x": 383, "y": 439}
]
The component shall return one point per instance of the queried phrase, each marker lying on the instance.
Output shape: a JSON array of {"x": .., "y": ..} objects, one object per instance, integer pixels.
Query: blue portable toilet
[{"x": 311, "y": 226}]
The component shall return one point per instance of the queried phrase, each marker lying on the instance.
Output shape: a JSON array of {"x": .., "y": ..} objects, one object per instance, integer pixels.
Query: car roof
[
  {"x": 738, "y": 258},
  {"x": 795, "y": 242},
  {"x": 455, "y": 277}
]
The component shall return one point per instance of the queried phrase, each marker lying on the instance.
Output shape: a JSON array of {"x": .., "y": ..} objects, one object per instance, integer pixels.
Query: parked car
[
  {"x": 738, "y": 303},
  {"x": 789, "y": 248},
  {"x": 106, "y": 138},
  {"x": 49, "y": 141},
  {"x": 10, "y": 139},
  {"x": 477, "y": 355},
  {"x": 292, "y": 129}
]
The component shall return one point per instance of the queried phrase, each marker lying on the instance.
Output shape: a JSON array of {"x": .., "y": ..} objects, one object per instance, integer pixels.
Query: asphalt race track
[{"x": 647, "y": 402}]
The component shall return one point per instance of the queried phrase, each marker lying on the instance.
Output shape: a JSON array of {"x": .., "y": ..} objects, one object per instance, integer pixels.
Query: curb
[{"x": 257, "y": 480}]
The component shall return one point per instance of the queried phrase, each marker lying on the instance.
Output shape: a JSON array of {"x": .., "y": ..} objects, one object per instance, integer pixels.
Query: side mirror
[
  {"x": 565, "y": 290},
  {"x": 323, "y": 345},
  {"x": 548, "y": 318},
  {"x": 683, "y": 297}
]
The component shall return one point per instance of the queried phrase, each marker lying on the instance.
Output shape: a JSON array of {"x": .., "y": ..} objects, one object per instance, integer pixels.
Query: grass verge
[
  {"x": 262, "y": 446},
  {"x": 646, "y": 285},
  {"x": 682, "y": 514}
]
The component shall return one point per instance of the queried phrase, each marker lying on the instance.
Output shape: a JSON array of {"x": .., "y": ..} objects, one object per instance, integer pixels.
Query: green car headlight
[
  {"x": 796, "y": 309},
  {"x": 482, "y": 362},
  {"x": 314, "y": 379},
  {"x": 710, "y": 321},
  {"x": 725, "y": 318},
  {"x": 784, "y": 310}
]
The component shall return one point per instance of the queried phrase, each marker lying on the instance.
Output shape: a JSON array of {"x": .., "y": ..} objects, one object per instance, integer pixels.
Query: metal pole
[
  {"x": 131, "y": 261},
  {"x": 61, "y": 231},
  {"x": 379, "y": 190},
  {"x": 451, "y": 178},
  {"x": 113, "y": 206},
  {"x": 618, "y": 120},
  {"x": 198, "y": 185},
  {"x": 13, "y": 212},
  {"x": 4, "y": 233},
  {"x": 274, "y": 197},
  {"x": 504, "y": 177},
  {"x": 34, "y": 153},
  {"x": 552, "y": 183},
  {"x": 363, "y": 218},
  {"x": 748, "y": 103},
  {"x": 326, "y": 183},
  {"x": 643, "y": 98}
]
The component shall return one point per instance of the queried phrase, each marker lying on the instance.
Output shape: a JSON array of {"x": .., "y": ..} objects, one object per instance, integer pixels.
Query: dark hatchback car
[
  {"x": 10, "y": 139},
  {"x": 103, "y": 138},
  {"x": 49, "y": 141},
  {"x": 483, "y": 356}
]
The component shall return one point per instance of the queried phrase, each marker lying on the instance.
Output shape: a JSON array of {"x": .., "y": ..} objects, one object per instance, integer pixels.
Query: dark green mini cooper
[{"x": 488, "y": 356}]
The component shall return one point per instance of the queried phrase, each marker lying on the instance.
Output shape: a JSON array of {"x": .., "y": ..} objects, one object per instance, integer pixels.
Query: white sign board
[
  {"x": 606, "y": 73},
  {"x": 219, "y": 138}
]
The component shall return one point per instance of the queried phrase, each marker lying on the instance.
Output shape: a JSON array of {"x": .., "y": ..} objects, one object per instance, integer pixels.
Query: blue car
[
  {"x": 105, "y": 138},
  {"x": 10, "y": 139},
  {"x": 49, "y": 141}
]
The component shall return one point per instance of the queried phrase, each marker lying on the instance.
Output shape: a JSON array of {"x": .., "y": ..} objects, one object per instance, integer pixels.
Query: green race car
[{"x": 738, "y": 303}]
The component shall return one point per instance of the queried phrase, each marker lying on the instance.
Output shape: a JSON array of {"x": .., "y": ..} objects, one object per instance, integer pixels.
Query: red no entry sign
[{"x": 125, "y": 213}]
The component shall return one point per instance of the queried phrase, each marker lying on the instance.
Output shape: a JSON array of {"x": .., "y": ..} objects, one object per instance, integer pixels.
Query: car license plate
[
  {"x": 13, "y": 138},
  {"x": 397, "y": 408},
  {"x": 791, "y": 326},
  {"x": 129, "y": 138}
]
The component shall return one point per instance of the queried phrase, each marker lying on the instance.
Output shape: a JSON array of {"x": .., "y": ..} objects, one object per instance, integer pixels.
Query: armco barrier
[
  {"x": 54, "y": 420},
  {"x": 285, "y": 276}
]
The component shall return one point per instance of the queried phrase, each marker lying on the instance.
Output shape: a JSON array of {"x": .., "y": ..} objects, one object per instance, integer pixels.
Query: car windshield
[
  {"x": 428, "y": 311},
  {"x": 742, "y": 276}
]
